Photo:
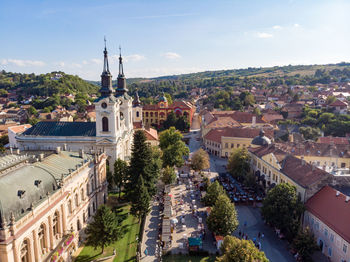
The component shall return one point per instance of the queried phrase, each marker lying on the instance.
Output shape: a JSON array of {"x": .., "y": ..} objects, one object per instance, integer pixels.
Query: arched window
[
  {"x": 70, "y": 208},
  {"x": 151, "y": 114},
  {"x": 82, "y": 196},
  {"x": 25, "y": 255},
  {"x": 76, "y": 199},
  {"x": 105, "y": 124},
  {"x": 41, "y": 236},
  {"x": 55, "y": 223},
  {"x": 78, "y": 225},
  {"x": 87, "y": 189},
  {"x": 146, "y": 114},
  {"x": 137, "y": 114}
]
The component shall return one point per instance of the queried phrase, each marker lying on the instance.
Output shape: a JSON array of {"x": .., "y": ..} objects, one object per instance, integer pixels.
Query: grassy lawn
[
  {"x": 125, "y": 247},
  {"x": 183, "y": 258}
]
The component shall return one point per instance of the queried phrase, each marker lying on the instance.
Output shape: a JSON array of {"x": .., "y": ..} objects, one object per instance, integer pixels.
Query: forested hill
[
  {"x": 45, "y": 84},
  {"x": 179, "y": 86}
]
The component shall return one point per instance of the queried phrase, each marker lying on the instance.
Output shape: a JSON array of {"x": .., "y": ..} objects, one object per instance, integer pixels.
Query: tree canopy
[
  {"x": 200, "y": 160},
  {"x": 173, "y": 148},
  {"x": 222, "y": 219},
  {"x": 238, "y": 163},
  {"x": 168, "y": 175},
  {"x": 282, "y": 207},
  {"x": 214, "y": 190},
  {"x": 140, "y": 205},
  {"x": 305, "y": 244},
  {"x": 120, "y": 173},
  {"x": 104, "y": 229},
  {"x": 237, "y": 250}
]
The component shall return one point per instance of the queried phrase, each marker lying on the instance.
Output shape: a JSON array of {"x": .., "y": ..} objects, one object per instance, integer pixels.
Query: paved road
[
  {"x": 150, "y": 235},
  {"x": 276, "y": 250}
]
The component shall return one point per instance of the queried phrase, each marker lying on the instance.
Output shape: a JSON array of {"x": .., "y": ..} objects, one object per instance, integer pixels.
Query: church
[{"x": 112, "y": 133}]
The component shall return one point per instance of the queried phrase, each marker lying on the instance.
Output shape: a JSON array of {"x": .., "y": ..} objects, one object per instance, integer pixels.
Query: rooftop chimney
[
  {"x": 347, "y": 199},
  {"x": 58, "y": 150},
  {"x": 338, "y": 193},
  {"x": 81, "y": 153},
  {"x": 253, "y": 121}
]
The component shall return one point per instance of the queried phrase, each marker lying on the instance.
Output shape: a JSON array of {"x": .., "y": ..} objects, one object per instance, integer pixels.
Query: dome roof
[{"x": 261, "y": 139}]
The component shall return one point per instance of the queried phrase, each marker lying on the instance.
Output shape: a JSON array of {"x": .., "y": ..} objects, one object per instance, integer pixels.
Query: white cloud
[
  {"x": 264, "y": 35},
  {"x": 22, "y": 63},
  {"x": 61, "y": 64},
  {"x": 171, "y": 55},
  {"x": 96, "y": 61},
  {"x": 277, "y": 27},
  {"x": 296, "y": 25},
  {"x": 134, "y": 58}
]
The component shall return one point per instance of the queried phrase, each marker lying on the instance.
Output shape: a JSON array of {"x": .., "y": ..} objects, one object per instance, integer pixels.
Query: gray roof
[
  {"x": 35, "y": 180},
  {"x": 261, "y": 139},
  {"x": 62, "y": 129}
]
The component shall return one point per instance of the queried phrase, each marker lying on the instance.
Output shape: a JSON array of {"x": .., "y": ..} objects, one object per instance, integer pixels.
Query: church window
[
  {"x": 156, "y": 114},
  {"x": 104, "y": 105},
  {"x": 82, "y": 195},
  {"x": 146, "y": 114},
  {"x": 41, "y": 236},
  {"x": 55, "y": 224},
  {"x": 105, "y": 124},
  {"x": 76, "y": 200},
  {"x": 25, "y": 251},
  {"x": 70, "y": 209},
  {"x": 151, "y": 114},
  {"x": 137, "y": 114}
]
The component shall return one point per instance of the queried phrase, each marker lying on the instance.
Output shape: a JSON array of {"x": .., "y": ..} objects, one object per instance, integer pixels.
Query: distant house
[{"x": 339, "y": 106}]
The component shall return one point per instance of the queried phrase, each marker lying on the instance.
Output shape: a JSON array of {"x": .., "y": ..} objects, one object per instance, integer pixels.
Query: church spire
[
  {"x": 105, "y": 62},
  {"x": 106, "y": 77},
  {"x": 121, "y": 90}
]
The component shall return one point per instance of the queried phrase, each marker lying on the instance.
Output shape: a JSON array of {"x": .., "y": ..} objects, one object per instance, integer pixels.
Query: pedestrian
[
  {"x": 245, "y": 223},
  {"x": 259, "y": 234},
  {"x": 254, "y": 240},
  {"x": 259, "y": 245},
  {"x": 262, "y": 235},
  {"x": 239, "y": 233}
]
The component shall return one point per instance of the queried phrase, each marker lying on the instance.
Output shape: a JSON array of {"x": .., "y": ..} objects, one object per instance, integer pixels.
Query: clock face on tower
[{"x": 104, "y": 105}]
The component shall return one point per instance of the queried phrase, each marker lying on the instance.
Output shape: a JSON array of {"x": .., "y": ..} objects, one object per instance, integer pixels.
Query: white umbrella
[{"x": 174, "y": 220}]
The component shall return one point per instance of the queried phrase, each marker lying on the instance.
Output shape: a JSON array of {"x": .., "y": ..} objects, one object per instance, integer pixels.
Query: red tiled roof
[
  {"x": 333, "y": 140},
  {"x": 338, "y": 103},
  {"x": 151, "y": 134},
  {"x": 222, "y": 122},
  {"x": 331, "y": 210},
  {"x": 20, "y": 128},
  {"x": 137, "y": 125},
  {"x": 216, "y": 134},
  {"x": 296, "y": 169}
]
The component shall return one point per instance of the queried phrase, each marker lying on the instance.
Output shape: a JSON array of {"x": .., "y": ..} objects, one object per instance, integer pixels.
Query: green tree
[
  {"x": 32, "y": 111},
  {"x": 223, "y": 217},
  {"x": 169, "y": 98},
  {"x": 174, "y": 149},
  {"x": 140, "y": 165},
  {"x": 240, "y": 250},
  {"x": 214, "y": 190},
  {"x": 120, "y": 173},
  {"x": 168, "y": 175},
  {"x": 282, "y": 207},
  {"x": 170, "y": 120},
  {"x": 104, "y": 229},
  {"x": 140, "y": 205},
  {"x": 33, "y": 121},
  {"x": 310, "y": 133},
  {"x": 238, "y": 163},
  {"x": 330, "y": 100},
  {"x": 257, "y": 111},
  {"x": 305, "y": 244},
  {"x": 200, "y": 160}
]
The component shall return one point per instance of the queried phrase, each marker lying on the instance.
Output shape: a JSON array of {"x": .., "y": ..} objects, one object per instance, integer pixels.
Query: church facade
[{"x": 112, "y": 132}]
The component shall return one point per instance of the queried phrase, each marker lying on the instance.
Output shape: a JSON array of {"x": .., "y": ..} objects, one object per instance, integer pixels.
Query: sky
[{"x": 166, "y": 37}]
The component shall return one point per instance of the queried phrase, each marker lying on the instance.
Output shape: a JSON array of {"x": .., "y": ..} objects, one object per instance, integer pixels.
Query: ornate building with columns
[
  {"x": 112, "y": 132},
  {"x": 46, "y": 200}
]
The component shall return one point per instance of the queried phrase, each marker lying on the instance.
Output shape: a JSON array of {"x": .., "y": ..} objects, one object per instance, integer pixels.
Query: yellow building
[
  {"x": 273, "y": 166},
  {"x": 325, "y": 156},
  {"x": 221, "y": 141},
  {"x": 157, "y": 114}
]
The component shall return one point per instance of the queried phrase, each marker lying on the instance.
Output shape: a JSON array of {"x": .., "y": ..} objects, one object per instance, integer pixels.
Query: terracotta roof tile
[
  {"x": 333, "y": 140},
  {"x": 331, "y": 210}
]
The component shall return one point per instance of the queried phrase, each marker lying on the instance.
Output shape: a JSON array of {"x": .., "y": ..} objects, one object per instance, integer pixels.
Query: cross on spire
[{"x": 121, "y": 70}]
